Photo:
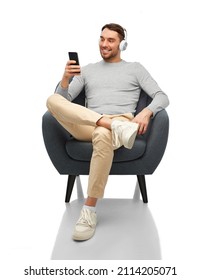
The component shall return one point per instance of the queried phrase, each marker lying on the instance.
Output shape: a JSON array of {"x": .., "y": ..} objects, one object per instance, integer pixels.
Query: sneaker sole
[{"x": 83, "y": 237}]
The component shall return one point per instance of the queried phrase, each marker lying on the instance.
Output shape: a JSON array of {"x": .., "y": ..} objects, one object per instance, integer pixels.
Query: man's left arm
[{"x": 159, "y": 98}]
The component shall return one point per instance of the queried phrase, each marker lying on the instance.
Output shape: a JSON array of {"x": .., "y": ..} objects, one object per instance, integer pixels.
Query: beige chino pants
[{"x": 80, "y": 122}]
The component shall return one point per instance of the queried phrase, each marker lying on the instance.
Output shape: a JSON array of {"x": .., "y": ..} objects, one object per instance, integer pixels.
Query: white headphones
[{"x": 123, "y": 44}]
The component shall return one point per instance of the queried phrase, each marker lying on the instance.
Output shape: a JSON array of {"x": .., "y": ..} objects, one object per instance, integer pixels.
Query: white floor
[
  {"x": 36, "y": 224},
  {"x": 125, "y": 231}
]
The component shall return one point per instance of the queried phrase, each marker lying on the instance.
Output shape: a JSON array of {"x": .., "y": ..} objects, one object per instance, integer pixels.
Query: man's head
[{"x": 111, "y": 36}]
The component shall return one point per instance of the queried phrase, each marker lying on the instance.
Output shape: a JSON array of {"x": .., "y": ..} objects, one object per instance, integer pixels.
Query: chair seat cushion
[{"x": 82, "y": 151}]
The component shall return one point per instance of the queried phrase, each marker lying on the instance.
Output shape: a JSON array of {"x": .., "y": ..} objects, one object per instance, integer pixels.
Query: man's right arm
[{"x": 71, "y": 70}]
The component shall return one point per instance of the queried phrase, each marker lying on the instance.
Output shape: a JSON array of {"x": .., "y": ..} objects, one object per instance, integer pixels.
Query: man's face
[{"x": 109, "y": 45}]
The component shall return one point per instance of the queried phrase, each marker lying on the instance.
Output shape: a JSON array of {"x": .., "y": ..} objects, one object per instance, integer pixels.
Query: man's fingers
[{"x": 142, "y": 129}]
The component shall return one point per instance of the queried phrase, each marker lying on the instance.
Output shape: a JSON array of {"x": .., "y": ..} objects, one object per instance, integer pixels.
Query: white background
[{"x": 35, "y": 39}]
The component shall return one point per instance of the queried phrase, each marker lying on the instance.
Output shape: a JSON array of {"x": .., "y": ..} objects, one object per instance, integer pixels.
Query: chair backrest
[
  {"x": 80, "y": 99},
  {"x": 144, "y": 101}
]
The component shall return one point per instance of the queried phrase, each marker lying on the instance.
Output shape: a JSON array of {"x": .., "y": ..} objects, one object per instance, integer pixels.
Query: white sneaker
[
  {"x": 123, "y": 133},
  {"x": 85, "y": 227}
]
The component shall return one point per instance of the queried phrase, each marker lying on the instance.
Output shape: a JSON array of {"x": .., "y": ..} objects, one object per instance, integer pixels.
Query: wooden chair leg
[
  {"x": 142, "y": 185},
  {"x": 70, "y": 185}
]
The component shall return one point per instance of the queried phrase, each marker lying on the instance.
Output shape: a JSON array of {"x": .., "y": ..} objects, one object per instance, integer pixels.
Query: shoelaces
[{"x": 85, "y": 218}]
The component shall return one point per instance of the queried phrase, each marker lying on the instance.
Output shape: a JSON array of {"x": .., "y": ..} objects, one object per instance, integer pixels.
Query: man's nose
[{"x": 105, "y": 43}]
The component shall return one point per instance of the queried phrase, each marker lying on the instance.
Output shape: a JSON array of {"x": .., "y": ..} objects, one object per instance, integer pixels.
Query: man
[{"x": 112, "y": 88}]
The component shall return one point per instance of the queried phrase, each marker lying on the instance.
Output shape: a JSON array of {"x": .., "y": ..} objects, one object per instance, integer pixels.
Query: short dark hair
[{"x": 115, "y": 27}]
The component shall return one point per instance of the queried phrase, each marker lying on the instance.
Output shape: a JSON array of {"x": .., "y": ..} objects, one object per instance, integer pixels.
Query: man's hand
[
  {"x": 143, "y": 119},
  {"x": 70, "y": 71}
]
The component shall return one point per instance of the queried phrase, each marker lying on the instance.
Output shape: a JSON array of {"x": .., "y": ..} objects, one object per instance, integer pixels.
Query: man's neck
[{"x": 113, "y": 60}]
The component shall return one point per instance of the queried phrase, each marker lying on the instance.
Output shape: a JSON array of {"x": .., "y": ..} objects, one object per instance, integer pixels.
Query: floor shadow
[{"x": 125, "y": 231}]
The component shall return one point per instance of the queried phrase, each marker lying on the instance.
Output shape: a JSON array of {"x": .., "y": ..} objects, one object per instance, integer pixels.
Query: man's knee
[{"x": 53, "y": 102}]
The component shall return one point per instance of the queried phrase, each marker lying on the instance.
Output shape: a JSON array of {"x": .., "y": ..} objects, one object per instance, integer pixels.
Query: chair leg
[
  {"x": 70, "y": 185},
  {"x": 142, "y": 185}
]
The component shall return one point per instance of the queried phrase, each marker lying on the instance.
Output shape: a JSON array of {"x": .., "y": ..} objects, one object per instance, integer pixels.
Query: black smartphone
[{"x": 74, "y": 56}]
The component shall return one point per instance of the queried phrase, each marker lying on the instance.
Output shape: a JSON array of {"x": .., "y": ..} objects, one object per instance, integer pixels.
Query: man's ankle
[
  {"x": 91, "y": 201},
  {"x": 92, "y": 208}
]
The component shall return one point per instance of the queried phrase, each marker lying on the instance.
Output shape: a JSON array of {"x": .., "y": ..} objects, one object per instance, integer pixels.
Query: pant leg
[
  {"x": 102, "y": 157},
  {"x": 101, "y": 161},
  {"x": 76, "y": 119},
  {"x": 122, "y": 117}
]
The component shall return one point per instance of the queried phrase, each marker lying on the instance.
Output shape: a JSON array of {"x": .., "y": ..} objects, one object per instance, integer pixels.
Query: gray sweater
[{"x": 114, "y": 88}]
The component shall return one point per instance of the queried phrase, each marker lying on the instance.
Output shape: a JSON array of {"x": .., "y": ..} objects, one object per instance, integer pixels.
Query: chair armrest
[
  {"x": 157, "y": 138},
  {"x": 55, "y": 137}
]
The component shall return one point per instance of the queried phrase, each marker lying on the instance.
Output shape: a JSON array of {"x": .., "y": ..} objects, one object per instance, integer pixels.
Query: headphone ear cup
[{"x": 123, "y": 45}]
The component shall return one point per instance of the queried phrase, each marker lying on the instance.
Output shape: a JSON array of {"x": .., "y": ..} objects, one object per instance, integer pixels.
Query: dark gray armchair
[{"x": 72, "y": 157}]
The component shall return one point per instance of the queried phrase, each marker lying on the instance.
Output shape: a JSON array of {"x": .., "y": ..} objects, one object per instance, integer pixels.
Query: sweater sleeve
[
  {"x": 75, "y": 87},
  {"x": 148, "y": 84},
  {"x": 62, "y": 91}
]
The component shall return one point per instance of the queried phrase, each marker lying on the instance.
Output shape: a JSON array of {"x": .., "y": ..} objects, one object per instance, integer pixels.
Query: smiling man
[{"x": 112, "y": 89}]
